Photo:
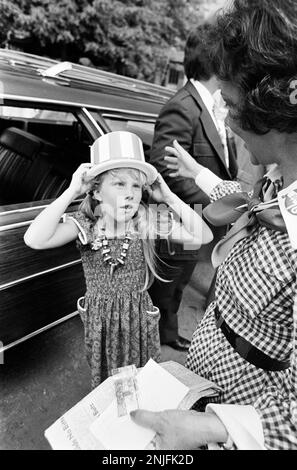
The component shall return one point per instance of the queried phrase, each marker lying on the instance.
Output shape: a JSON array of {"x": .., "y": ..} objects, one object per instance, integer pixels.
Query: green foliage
[
  {"x": 130, "y": 37},
  {"x": 9, "y": 15}
]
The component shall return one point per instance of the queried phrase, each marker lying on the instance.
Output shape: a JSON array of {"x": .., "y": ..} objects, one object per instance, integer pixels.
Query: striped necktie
[
  {"x": 219, "y": 115},
  {"x": 270, "y": 188}
]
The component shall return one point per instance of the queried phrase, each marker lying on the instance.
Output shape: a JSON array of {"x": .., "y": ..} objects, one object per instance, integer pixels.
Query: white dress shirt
[
  {"x": 211, "y": 102},
  {"x": 206, "y": 97}
]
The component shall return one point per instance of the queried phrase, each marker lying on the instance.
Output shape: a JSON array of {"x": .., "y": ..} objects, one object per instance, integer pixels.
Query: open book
[{"x": 93, "y": 424}]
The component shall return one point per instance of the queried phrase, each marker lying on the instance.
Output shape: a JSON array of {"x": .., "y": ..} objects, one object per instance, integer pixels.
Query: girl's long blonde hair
[{"x": 143, "y": 225}]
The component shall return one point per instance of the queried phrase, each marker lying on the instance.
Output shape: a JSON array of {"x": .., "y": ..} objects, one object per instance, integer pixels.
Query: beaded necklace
[{"x": 102, "y": 243}]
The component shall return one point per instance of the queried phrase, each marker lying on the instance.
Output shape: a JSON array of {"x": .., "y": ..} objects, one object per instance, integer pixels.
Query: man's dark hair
[
  {"x": 256, "y": 50},
  {"x": 198, "y": 61}
]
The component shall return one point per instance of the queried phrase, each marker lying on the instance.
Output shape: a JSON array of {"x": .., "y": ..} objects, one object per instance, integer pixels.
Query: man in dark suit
[{"x": 189, "y": 118}]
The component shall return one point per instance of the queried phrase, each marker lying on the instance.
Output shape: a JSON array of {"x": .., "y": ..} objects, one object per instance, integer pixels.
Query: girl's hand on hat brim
[
  {"x": 80, "y": 183},
  {"x": 159, "y": 190}
]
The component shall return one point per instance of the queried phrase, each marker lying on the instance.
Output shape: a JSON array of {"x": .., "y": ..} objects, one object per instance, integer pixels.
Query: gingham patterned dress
[
  {"x": 256, "y": 293},
  {"x": 120, "y": 321}
]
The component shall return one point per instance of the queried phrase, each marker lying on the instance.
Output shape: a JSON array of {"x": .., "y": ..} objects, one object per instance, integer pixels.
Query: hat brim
[{"x": 149, "y": 170}]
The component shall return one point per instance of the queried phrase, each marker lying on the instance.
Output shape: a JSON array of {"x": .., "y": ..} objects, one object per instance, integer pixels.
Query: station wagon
[{"x": 50, "y": 114}]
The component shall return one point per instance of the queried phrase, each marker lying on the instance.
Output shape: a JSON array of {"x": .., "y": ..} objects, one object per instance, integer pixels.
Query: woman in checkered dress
[{"x": 247, "y": 340}]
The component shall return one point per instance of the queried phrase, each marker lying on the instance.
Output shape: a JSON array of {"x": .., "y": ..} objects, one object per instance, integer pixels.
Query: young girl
[{"x": 116, "y": 234}]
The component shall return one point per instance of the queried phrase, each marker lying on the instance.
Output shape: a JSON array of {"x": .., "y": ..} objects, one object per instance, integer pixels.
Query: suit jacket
[{"x": 185, "y": 118}]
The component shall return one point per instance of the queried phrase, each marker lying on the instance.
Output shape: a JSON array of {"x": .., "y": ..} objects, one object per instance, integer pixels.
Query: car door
[
  {"x": 121, "y": 120},
  {"x": 40, "y": 147}
]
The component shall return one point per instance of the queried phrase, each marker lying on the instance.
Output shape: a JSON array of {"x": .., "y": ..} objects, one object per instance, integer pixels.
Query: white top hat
[{"x": 119, "y": 149}]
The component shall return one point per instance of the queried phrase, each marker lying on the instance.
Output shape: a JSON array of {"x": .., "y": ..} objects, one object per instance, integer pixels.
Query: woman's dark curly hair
[{"x": 256, "y": 50}]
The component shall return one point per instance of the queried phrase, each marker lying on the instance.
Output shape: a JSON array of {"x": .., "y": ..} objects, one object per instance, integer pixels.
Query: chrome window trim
[
  {"x": 37, "y": 332},
  {"x": 27, "y": 209},
  {"x": 40, "y": 273},
  {"x": 92, "y": 120},
  {"x": 73, "y": 103},
  {"x": 122, "y": 116},
  {"x": 4, "y": 228}
]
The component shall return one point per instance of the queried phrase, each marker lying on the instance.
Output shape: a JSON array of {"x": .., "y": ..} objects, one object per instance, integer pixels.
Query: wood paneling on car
[
  {"x": 39, "y": 302},
  {"x": 19, "y": 261},
  {"x": 26, "y": 305}
]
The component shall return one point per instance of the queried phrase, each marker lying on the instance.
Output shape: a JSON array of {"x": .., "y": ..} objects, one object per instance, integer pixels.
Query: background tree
[
  {"x": 11, "y": 16},
  {"x": 129, "y": 37}
]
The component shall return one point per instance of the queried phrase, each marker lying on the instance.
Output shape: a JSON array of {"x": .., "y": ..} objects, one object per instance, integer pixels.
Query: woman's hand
[
  {"x": 159, "y": 191},
  {"x": 181, "y": 162},
  {"x": 181, "y": 430},
  {"x": 80, "y": 184}
]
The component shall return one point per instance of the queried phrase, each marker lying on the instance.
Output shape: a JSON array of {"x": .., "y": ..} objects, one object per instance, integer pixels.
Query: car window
[
  {"x": 145, "y": 130},
  {"x": 141, "y": 127},
  {"x": 39, "y": 150},
  {"x": 38, "y": 114}
]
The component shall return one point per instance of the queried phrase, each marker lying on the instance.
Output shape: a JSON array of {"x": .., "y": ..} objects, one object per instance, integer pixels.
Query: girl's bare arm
[
  {"x": 192, "y": 230},
  {"x": 46, "y": 231}
]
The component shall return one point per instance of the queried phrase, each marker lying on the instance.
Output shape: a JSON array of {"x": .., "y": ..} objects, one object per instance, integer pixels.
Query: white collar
[
  {"x": 273, "y": 173},
  {"x": 205, "y": 94}
]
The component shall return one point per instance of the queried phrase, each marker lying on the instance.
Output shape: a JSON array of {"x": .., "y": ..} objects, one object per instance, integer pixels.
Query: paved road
[{"x": 44, "y": 377}]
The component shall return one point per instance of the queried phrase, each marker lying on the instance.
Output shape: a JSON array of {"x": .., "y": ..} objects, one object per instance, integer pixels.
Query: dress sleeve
[
  {"x": 277, "y": 407},
  {"x": 215, "y": 187},
  {"x": 223, "y": 189},
  {"x": 242, "y": 423},
  {"x": 83, "y": 224}
]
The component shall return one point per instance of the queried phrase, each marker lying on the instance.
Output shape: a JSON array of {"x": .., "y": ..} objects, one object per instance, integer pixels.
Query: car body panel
[{"x": 39, "y": 288}]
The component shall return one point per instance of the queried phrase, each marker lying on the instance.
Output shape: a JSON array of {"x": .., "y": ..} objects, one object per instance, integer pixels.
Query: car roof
[{"x": 37, "y": 79}]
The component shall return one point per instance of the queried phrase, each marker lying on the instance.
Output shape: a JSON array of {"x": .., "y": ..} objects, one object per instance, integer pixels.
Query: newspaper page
[
  {"x": 158, "y": 390},
  {"x": 72, "y": 431}
]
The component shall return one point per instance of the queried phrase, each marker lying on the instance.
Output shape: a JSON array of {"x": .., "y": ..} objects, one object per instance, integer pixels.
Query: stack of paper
[{"x": 94, "y": 424}]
